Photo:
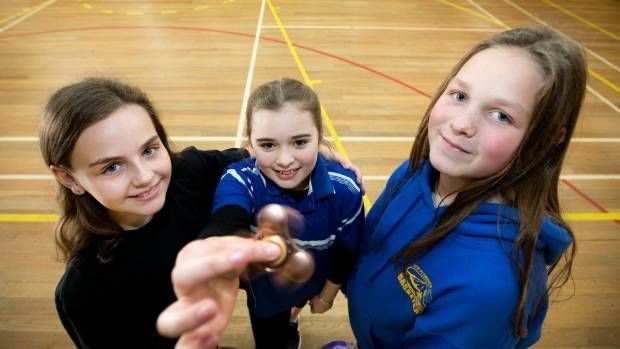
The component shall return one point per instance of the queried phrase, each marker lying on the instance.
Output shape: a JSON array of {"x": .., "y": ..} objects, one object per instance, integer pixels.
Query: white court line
[
  {"x": 573, "y": 177},
  {"x": 248, "y": 82},
  {"x": 377, "y": 139},
  {"x": 356, "y": 27},
  {"x": 540, "y": 21},
  {"x": 487, "y": 13},
  {"x": 602, "y": 98},
  {"x": 29, "y": 14},
  {"x": 31, "y": 177},
  {"x": 590, "y": 89}
]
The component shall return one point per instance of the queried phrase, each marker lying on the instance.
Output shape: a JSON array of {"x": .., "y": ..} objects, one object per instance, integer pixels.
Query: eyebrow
[
  {"x": 500, "y": 101},
  {"x": 116, "y": 158},
  {"x": 305, "y": 135}
]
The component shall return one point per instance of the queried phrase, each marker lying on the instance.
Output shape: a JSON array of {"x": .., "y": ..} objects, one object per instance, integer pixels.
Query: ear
[
  {"x": 250, "y": 149},
  {"x": 66, "y": 179}
]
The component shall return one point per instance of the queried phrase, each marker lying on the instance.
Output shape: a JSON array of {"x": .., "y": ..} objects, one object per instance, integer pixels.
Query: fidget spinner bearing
[{"x": 294, "y": 265}]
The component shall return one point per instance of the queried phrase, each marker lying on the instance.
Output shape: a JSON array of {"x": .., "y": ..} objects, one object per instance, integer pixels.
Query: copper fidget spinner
[{"x": 294, "y": 265}]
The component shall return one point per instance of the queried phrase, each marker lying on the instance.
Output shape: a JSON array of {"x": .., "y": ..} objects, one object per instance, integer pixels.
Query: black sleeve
[
  {"x": 62, "y": 314},
  {"x": 228, "y": 220},
  {"x": 341, "y": 263},
  {"x": 196, "y": 174},
  {"x": 203, "y": 168}
]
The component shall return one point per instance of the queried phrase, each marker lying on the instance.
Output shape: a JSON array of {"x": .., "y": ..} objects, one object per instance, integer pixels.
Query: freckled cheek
[
  {"x": 435, "y": 117},
  {"x": 499, "y": 149},
  {"x": 440, "y": 114}
]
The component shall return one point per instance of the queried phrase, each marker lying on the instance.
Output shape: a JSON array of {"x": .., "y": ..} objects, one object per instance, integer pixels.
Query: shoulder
[
  {"x": 191, "y": 156},
  {"x": 400, "y": 173},
  {"x": 76, "y": 285},
  {"x": 242, "y": 170},
  {"x": 201, "y": 170},
  {"x": 341, "y": 178},
  {"x": 247, "y": 164}
]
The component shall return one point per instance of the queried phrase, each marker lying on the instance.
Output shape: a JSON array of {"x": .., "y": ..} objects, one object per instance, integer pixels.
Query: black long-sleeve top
[{"x": 116, "y": 304}]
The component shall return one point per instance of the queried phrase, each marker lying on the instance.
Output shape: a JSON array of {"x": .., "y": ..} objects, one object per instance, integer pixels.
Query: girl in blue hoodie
[
  {"x": 460, "y": 244},
  {"x": 464, "y": 245}
]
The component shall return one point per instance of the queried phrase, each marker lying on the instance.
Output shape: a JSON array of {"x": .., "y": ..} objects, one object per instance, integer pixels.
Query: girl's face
[
  {"x": 479, "y": 121},
  {"x": 286, "y": 145},
  {"x": 122, "y": 163}
]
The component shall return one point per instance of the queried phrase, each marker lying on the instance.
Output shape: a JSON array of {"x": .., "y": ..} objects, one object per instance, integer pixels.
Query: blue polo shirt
[{"x": 332, "y": 211}]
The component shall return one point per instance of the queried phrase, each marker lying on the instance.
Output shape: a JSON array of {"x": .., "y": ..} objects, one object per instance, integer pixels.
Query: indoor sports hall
[{"x": 375, "y": 66}]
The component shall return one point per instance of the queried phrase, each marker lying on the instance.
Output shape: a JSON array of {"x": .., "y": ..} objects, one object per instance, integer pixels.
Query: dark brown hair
[
  {"x": 529, "y": 181},
  {"x": 69, "y": 111}
]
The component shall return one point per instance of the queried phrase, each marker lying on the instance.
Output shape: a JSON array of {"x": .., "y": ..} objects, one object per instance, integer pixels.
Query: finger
[
  {"x": 226, "y": 261},
  {"x": 191, "y": 341},
  {"x": 182, "y": 317},
  {"x": 204, "y": 336}
]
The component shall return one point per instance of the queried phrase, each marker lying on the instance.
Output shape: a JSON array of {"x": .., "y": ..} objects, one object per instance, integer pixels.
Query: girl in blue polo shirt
[{"x": 285, "y": 131}]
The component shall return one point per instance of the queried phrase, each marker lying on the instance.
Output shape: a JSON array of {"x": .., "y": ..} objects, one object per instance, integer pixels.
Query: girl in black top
[{"x": 128, "y": 205}]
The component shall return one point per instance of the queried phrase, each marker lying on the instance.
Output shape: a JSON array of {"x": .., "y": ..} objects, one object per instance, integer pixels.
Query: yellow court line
[
  {"x": 44, "y": 218},
  {"x": 27, "y": 217},
  {"x": 583, "y": 20},
  {"x": 330, "y": 127},
  {"x": 474, "y": 13},
  {"x": 583, "y": 216},
  {"x": 19, "y": 14},
  {"x": 491, "y": 20},
  {"x": 604, "y": 81}
]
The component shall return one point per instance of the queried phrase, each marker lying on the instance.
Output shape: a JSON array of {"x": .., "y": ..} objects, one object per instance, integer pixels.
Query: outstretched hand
[{"x": 206, "y": 280}]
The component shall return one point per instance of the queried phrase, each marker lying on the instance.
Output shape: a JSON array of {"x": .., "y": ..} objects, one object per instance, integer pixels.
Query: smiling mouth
[
  {"x": 147, "y": 195},
  {"x": 286, "y": 172},
  {"x": 454, "y": 146}
]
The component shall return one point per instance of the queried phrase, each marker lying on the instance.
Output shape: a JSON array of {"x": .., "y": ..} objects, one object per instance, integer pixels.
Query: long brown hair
[
  {"x": 529, "y": 181},
  {"x": 69, "y": 111}
]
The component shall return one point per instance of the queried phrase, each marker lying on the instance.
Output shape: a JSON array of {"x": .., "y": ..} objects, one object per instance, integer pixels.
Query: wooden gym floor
[{"x": 374, "y": 65}]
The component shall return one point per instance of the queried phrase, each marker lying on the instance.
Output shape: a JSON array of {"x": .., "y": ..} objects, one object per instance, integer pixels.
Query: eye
[
  {"x": 267, "y": 146},
  {"x": 300, "y": 142},
  {"x": 459, "y": 96},
  {"x": 501, "y": 117},
  {"x": 149, "y": 151},
  {"x": 111, "y": 168}
]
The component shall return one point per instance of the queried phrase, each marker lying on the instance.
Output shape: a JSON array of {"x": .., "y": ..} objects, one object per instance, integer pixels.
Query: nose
[
  {"x": 285, "y": 158},
  {"x": 465, "y": 124},
  {"x": 143, "y": 174}
]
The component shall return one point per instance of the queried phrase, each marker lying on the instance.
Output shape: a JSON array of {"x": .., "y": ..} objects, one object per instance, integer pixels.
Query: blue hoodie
[{"x": 463, "y": 293}]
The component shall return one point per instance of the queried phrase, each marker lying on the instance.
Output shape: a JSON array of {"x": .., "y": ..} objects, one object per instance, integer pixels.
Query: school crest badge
[{"x": 417, "y": 286}]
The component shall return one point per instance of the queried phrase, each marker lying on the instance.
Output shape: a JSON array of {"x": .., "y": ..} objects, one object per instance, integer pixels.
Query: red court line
[
  {"x": 323, "y": 53},
  {"x": 327, "y": 54},
  {"x": 586, "y": 197}
]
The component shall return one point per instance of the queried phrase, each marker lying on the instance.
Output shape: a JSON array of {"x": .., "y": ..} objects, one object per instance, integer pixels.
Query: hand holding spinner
[{"x": 294, "y": 265}]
